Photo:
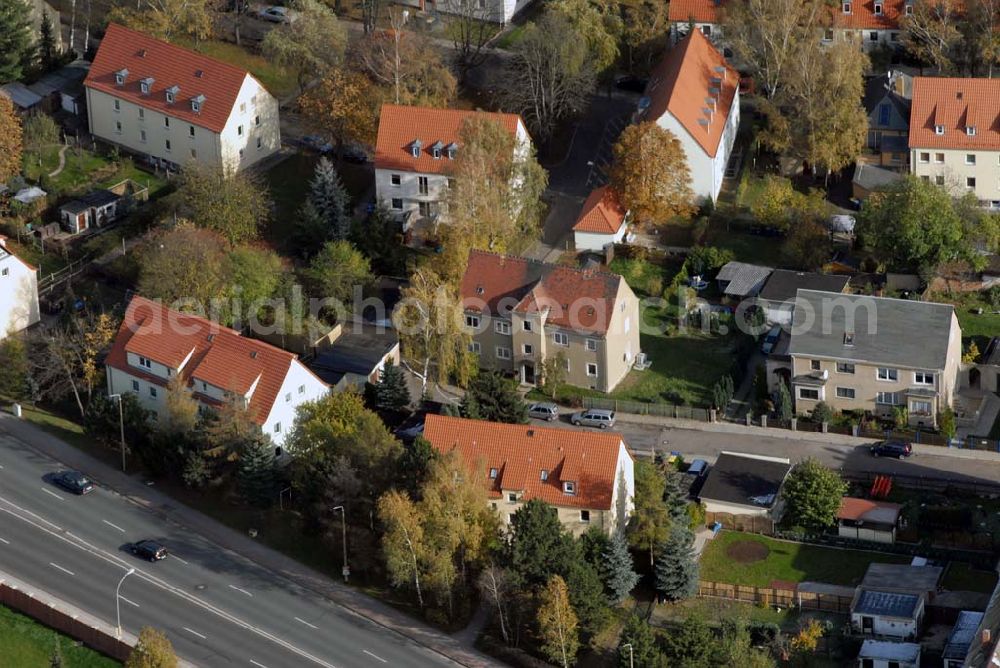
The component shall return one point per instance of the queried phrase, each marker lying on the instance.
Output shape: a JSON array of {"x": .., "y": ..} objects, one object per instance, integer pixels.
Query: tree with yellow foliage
[
  {"x": 651, "y": 174},
  {"x": 167, "y": 19},
  {"x": 344, "y": 106},
  {"x": 10, "y": 140}
]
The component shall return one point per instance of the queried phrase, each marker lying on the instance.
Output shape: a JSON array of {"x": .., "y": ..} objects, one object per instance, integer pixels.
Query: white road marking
[
  {"x": 257, "y": 664},
  {"x": 302, "y": 621},
  {"x": 51, "y": 493},
  {"x": 195, "y": 633},
  {"x": 4, "y": 541},
  {"x": 64, "y": 570},
  {"x": 178, "y": 558},
  {"x": 242, "y": 591},
  {"x": 113, "y": 526},
  {"x": 128, "y": 601},
  {"x": 374, "y": 656}
]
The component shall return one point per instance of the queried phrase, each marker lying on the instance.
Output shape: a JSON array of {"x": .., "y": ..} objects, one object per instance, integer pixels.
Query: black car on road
[
  {"x": 73, "y": 481},
  {"x": 897, "y": 449},
  {"x": 149, "y": 550}
]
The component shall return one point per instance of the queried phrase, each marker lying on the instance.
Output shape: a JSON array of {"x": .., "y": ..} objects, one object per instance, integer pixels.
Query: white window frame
[
  {"x": 891, "y": 375},
  {"x": 560, "y": 338},
  {"x": 817, "y": 390},
  {"x": 135, "y": 385},
  {"x": 939, "y": 129},
  {"x": 526, "y": 325},
  {"x": 527, "y": 349},
  {"x": 511, "y": 497},
  {"x": 924, "y": 157},
  {"x": 475, "y": 348},
  {"x": 152, "y": 391},
  {"x": 396, "y": 180},
  {"x": 145, "y": 362},
  {"x": 592, "y": 345},
  {"x": 472, "y": 321},
  {"x": 923, "y": 378},
  {"x": 503, "y": 353},
  {"x": 592, "y": 370},
  {"x": 914, "y": 410},
  {"x": 845, "y": 366},
  {"x": 881, "y": 396},
  {"x": 569, "y": 487},
  {"x": 846, "y": 393},
  {"x": 585, "y": 516},
  {"x": 501, "y": 327},
  {"x": 970, "y": 158}
]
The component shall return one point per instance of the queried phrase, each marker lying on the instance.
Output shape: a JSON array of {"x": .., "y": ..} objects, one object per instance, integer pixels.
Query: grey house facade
[{"x": 888, "y": 111}]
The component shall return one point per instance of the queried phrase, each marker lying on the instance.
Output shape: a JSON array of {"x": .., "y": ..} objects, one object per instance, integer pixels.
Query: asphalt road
[
  {"x": 218, "y": 608},
  {"x": 707, "y": 445}
]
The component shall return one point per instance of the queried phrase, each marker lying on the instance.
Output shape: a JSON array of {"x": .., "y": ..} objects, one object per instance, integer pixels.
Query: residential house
[
  {"x": 603, "y": 220},
  {"x": 18, "y": 292},
  {"x": 869, "y": 178},
  {"x": 740, "y": 280},
  {"x": 156, "y": 345},
  {"x": 415, "y": 155},
  {"x": 870, "y": 24},
  {"x": 874, "y": 354},
  {"x": 887, "y": 614},
  {"x": 356, "y": 356},
  {"x": 587, "y": 476},
  {"x": 887, "y": 654},
  {"x": 777, "y": 296},
  {"x": 865, "y": 519},
  {"x": 888, "y": 109},
  {"x": 521, "y": 312},
  {"x": 961, "y": 638},
  {"x": 694, "y": 93},
  {"x": 171, "y": 105},
  {"x": 955, "y": 135},
  {"x": 744, "y": 484}
]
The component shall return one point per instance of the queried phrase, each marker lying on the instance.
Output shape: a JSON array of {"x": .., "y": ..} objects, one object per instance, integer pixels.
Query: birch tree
[
  {"x": 557, "y": 623},
  {"x": 403, "y": 540},
  {"x": 496, "y": 584},
  {"x": 309, "y": 46},
  {"x": 931, "y": 32}
]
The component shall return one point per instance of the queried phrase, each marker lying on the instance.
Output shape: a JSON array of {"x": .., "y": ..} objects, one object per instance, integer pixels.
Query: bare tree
[
  {"x": 931, "y": 32},
  {"x": 369, "y": 13},
  {"x": 495, "y": 584},
  {"x": 474, "y": 24}
]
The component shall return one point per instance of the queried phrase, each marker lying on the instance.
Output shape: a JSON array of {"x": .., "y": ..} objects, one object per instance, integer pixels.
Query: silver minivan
[
  {"x": 595, "y": 417},
  {"x": 544, "y": 411}
]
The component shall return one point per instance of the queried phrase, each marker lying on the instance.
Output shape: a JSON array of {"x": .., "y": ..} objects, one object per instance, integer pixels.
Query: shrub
[{"x": 822, "y": 412}]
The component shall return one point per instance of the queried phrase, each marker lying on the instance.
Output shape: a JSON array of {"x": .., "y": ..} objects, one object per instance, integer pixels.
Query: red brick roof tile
[
  {"x": 603, "y": 212},
  {"x": 862, "y": 16},
  {"x": 168, "y": 65},
  {"x": 956, "y": 104},
  {"x": 521, "y": 452},
  {"x": 399, "y": 126}
]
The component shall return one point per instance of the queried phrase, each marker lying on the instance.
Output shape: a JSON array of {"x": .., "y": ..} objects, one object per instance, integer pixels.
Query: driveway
[{"x": 557, "y": 231}]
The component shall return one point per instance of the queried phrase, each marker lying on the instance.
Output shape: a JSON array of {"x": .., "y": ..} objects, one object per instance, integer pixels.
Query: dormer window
[
  {"x": 121, "y": 76},
  {"x": 452, "y": 149},
  {"x": 196, "y": 103},
  {"x": 544, "y": 475},
  {"x": 569, "y": 487},
  {"x": 172, "y": 93},
  {"x": 493, "y": 474},
  {"x": 970, "y": 130},
  {"x": 415, "y": 148},
  {"x": 878, "y": 9},
  {"x": 939, "y": 129},
  {"x": 909, "y": 10},
  {"x": 436, "y": 149},
  {"x": 847, "y": 8}
]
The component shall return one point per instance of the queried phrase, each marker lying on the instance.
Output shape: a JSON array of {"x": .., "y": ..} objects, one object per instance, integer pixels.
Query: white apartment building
[
  {"x": 694, "y": 94},
  {"x": 415, "y": 155},
  {"x": 955, "y": 135},
  {"x": 155, "y": 345},
  {"x": 171, "y": 105},
  {"x": 18, "y": 292}
]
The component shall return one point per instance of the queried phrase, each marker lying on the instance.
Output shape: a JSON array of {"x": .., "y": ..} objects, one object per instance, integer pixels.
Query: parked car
[
  {"x": 544, "y": 411},
  {"x": 897, "y": 449},
  {"x": 147, "y": 549},
  {"x": 275, "y": 14},
  {"x": 594, "y": 417},
  {"x": 73, "y": 481},
  {"x": 695, "y": 473},
  {"x": 317, "y": 143},
  {"x": 771, "y": 340}
]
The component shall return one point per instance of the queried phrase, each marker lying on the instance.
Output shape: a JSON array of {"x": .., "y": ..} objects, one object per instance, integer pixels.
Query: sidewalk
[{"x": 170, "y": 510}]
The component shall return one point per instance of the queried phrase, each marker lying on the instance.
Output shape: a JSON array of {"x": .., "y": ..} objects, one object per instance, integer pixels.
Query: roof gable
[
  {"x": 602, "y": 213},
  {"x": 162, "y": 66},
  {"x": 955, "y": 104},
  {"x": 534, "y": 461},
  {"x": 694, "y": 83}
]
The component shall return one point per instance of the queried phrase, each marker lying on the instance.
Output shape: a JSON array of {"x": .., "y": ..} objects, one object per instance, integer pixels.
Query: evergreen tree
[
  {"x": 619, "y": 572},
  {"x": 784, "y": 402},
  {"x": 644, "y": 652},
  {"x": 391, "y": 393},
  {"x": 675, "y": 495},
  {"x": 47, "y": 51},
  {"x": 13, "y": 368},
  {"x": 256, "y": 477},
  {"x": 676, "y": 566},
  {"x": 329, "y": 200},
  {"x": 586, "y": 594},
  {"x": 415, "y": 463},
  {"x": 17, "y": 48},
  {"x": 693, "y": 644},
  {"x": 593, "y": 544},
  {"x": 492, "y": 397},
  {"x": 539, "y": 545}
]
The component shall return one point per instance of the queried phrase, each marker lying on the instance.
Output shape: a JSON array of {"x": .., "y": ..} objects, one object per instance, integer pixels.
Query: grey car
[
  {"x": 544, "y": 411},
  {"x": 595, "y": 417}
]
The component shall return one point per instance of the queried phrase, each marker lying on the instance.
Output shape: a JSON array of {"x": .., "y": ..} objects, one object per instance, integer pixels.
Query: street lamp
[
  {"x": 121, "y": 424},
  {"x": 118, "y": 603},
  {"x": 343, "y": 528},
  {"x": 629, "y": 645}
]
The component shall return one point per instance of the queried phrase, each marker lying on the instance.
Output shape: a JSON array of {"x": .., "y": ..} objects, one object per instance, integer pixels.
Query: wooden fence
[
  {"x": 65, "y": 623},
  {"x": 771, "y": 596},
  {"x": 747, "y": 523}
]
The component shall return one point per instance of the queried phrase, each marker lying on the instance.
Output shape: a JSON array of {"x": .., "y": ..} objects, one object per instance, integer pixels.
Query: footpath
[{"x": 133, "y": 489}]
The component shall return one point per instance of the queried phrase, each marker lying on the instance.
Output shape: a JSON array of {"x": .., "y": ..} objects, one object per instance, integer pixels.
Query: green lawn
[
  {"x": 962, "y": 577},
  {"x": 792, "y": 562},
  {"x": 746, "y": 247},
  {"x": 84, "y": 170},
  {"x": 979, "y": 328},
  {"x": 26, "y": 643},
  {"x": 510, "y": 38},
  {"x": 276, "y": 79}
]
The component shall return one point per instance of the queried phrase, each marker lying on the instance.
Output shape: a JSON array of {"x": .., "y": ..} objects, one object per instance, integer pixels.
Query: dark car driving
[
  {"x": 73, "y": 481},
  {"x": 147, "y": 549},
  {"x": 897, "y": 449}
]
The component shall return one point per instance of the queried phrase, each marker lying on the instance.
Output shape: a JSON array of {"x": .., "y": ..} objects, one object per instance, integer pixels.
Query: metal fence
[{"x": 640, "y": 408}]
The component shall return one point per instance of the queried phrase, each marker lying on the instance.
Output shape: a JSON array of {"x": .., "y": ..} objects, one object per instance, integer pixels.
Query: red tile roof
[
  {"x": 852, "y": 508},
  {"x": 218, "y": 355},
  {"x": 602, "y": 213},
  {"x": 862, "y": 16},
  {"x": 579, "y": 299},
  {"x": 399, "y": 126},
  {"x": 168, "y": 65},
  {"x": 681, "y": 85},
  {"x": 520, "y": 453},
  {"x": 955, "y": 104}
]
